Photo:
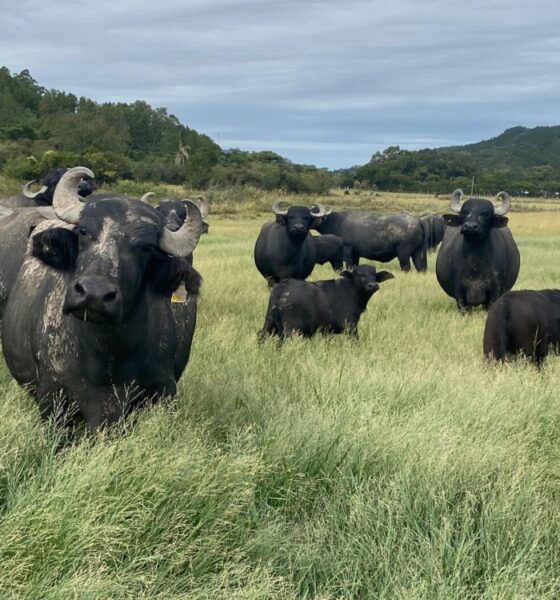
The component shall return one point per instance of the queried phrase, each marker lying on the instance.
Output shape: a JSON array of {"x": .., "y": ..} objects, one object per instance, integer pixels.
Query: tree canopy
[{"x": 42, "y": 129}]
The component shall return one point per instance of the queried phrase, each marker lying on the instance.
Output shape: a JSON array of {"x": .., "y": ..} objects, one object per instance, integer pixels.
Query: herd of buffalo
[{"x": 98, "y": 293}]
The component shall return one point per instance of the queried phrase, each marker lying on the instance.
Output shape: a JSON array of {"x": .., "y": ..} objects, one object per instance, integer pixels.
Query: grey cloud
[{"x": 325, "y": 82}]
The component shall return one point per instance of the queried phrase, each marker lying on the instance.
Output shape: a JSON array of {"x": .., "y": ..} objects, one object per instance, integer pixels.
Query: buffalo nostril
[
  {"x": 110, "y": 296},
  {"x": 79, "y": 288}
]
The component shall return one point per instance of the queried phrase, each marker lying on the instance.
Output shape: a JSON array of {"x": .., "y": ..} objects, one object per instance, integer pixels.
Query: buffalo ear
[
  {"x": 347, "y": 275},
  {"x": 452, "y": 220},
  {"x": 499, "y": 221},
  {"x": 56, "y": 247},
  {"x": 381, "y": 276},
  {"x": 169, "y": 272},
  {"x": 317, "y": 222}
]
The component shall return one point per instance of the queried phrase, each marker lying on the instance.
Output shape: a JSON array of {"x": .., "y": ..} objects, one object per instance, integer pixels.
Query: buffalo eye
[
  {"x": 147, "y": 248},
  {"x": 82, "y": 231}
]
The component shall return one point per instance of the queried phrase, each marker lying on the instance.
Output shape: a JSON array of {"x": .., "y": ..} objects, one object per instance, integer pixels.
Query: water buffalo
[
  {"x": 434, "y": 228},
  {"x": 478, "y": 260},
  {"x": 90, "y": 322},
  {"x": 378, "y": 237},
  {"x": 525, "y": 322},
  {"x": 44, "y": 197},
  {"x": 285, "y": 247},
  {"x": 329, "y": 248},
  {"x": 331, "y": 306}
]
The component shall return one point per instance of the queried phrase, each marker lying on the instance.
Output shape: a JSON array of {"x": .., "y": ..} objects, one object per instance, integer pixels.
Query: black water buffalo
[
  {"x": 285, "y": 247},
  {"x": 525, "y": 322},
  {"x": 434, "y": 228},
  {"x": 44, "y": 197},
  {"x": 378, "y": 237},
  {"x": 329, "y": 248},
  {"x": 478, "y": 260},
  {"x": 331, "y": 306},
  {"x": 90, "y": 322}
]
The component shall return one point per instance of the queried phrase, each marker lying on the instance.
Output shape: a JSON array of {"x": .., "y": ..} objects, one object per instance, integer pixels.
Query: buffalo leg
[
  {"x": 420, "y": 260},
  {"x": 404, "y": 262},
  {"x": 336, "y": 264},
  {"x": 348, "y": 256},
  {"x": 102, "y": 409}
]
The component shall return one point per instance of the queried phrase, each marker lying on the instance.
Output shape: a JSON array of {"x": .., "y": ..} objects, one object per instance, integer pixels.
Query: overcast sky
[{"x": 325, "y": 83}]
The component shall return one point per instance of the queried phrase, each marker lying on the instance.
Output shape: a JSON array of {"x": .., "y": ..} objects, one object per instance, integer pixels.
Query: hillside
[
  {"x": 42, "y": 129},
  {"x": 520, "y": 160},
  {"x": 517, "y": 148}
]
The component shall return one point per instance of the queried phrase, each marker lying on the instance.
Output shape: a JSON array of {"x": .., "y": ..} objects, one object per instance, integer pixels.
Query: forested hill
[
  {"x": 516, "y": 148},
  {"x": 519, "y": 160},
  {"x": 41, "y": 129}
]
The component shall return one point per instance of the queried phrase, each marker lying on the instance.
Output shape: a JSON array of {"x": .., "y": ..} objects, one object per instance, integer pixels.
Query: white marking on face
[{"x": 107, "y": 244}]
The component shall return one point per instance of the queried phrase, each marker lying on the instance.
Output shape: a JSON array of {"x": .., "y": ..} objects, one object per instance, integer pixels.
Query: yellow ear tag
[{"x": 179, "y": 295}]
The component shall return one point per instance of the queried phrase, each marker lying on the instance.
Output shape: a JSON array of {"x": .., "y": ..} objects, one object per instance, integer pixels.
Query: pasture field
[{"x": 395, "y": 466}]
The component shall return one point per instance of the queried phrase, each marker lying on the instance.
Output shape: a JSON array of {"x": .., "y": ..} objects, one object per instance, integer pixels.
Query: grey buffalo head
[
  {"x": 174, "y": 212},
  {"x": 299, "y": 219},
  {"x": 477, "y": 216},
  {"x": 44, "y": 196},
  {"x": 113, "y": 250}
]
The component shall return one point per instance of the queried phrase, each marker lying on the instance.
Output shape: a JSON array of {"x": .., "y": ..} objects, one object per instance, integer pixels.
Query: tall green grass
[{"x": 395, "y": 466}]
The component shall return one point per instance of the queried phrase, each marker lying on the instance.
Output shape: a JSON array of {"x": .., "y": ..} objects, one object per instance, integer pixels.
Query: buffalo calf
[
  {"x": 525, "y": 322},
  {"x": 331, "y": 306}
]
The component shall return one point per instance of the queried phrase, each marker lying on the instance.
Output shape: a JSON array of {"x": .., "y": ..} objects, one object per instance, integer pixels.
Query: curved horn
[
  {"x": 277, "y": 210},
  {"x": 26, "y": 189},
  {"x": 66, "y": 202},
  {"x": 506, "y": 203},
  {"x": 320, "y": 210},
  {"x": 457, "y": 200},
  {"x": 146, "y": 197},
  {"x": 183, "y": 241},
  {"x": 202, "y": 202}
]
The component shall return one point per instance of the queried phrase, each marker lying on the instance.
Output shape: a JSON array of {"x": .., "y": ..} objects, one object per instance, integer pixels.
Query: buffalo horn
[
  {"x": 457, "y": 200},
  {"x": 277, "y": 210},
  {"x": 183, "y": 241},
  {"x": 202, "y": 202},
  {"x": 26, "y": 189},
  {"x": 506, "y": 203},
  {"x": 320, "y": 210},
  {"x": 66, "y": 201},
  {"x": 146, "y": 197}
]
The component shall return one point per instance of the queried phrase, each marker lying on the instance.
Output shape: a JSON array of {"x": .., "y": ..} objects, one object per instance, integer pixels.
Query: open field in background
[
  {"x": 250, "y": 202},
  {"x": 396, "y": 466},
  {"x": 246, "y": 201}
]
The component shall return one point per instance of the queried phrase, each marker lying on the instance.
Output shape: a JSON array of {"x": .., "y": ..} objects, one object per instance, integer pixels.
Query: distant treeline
[
  {"x": 42, "y": 129},
  {"x": 521, "y": 161}
]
